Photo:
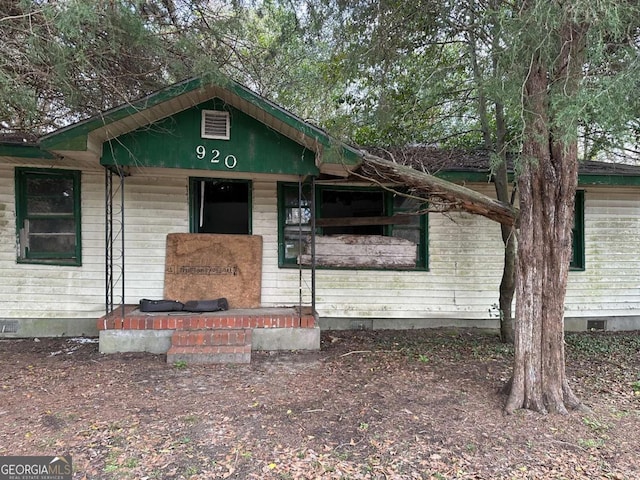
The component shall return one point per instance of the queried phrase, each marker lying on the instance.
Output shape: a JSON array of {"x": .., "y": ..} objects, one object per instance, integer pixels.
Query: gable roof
[{"x": 83, "y": 140}]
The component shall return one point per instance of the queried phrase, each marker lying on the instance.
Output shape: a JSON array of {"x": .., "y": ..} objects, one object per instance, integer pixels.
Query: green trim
[
  {"x": 23, "y": 151},
  {"x": 74, "y": 137},
  {"x": 64, "y": 136},
  {"x": 22, "y": 174},
  {"x": 620, "y": 180},
  {"x": 578, "y": 243},
  {"x": 194, "y": 208},
  {"x": 283, "y": 262},
  {"x": 458, "y": 176},
  {"x": 176, "y": 142}
]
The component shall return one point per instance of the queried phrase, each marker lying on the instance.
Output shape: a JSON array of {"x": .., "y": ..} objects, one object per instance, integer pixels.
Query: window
[
  {"x": 366, "y": 212},
  {"x": 341, "y": 203},
  {"x": 294, "y": 222},
  {"x": 577, "y": 259},
  {"x": 48, "y": 216},
  {"x": 220, "y": 206}
]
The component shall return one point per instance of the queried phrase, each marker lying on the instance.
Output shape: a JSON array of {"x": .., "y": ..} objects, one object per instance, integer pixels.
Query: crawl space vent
[
  {"x": 8, "y": 326},
  {"x": 215, "y": 125}
]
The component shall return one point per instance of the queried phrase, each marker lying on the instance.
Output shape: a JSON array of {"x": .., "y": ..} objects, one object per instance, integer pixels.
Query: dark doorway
[{"x": 220, "y": 206}]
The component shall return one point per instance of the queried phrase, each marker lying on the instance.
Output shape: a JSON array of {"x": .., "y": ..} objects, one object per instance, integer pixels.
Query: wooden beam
[
  {"x": 429, "y": 186},
  {"x": 360, "y": 221}
]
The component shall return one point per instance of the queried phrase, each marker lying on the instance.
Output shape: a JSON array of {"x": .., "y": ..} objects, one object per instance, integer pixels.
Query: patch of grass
[
  {"x": 603, "y": 344},
  {"x": 111, "y": 462},
  {"x": 437, "y": 345},
  {"x": 190, "y": 471},
  {"x": 591, "y": 442},
  {"x": 595, "y": 425},
  {"x": 344, "y": 456},
  {"x": 180, "y": 364},
  {"x": 191, "y": 419},
  {"x": 130, "y": 462}
]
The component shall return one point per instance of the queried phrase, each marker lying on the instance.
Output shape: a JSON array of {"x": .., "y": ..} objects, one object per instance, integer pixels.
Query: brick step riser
[
  {"x": 220, "y": 337},
  {"x": 206, "y": 354}
]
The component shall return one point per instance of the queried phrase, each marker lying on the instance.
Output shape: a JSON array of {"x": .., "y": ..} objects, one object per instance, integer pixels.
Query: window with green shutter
[{"x": 48, "y": 216}]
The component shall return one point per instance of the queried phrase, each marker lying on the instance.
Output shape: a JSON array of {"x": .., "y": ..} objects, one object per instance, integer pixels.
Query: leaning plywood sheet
[
  {"x": 207, "y": 266},
  {"x": 362, "y": 251}
]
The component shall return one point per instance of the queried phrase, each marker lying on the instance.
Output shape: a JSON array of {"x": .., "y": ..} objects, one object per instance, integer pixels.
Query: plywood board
[
  {"x": 208, "y": 266},
  {"x": 362, "y": 251}
]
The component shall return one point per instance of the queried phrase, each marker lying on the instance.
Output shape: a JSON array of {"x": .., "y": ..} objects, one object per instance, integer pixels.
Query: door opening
[{"x": 220, "y": 206}]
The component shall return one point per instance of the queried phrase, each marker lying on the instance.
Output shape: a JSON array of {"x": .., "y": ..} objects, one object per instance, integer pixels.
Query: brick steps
[{"x": 227, "y": 345}]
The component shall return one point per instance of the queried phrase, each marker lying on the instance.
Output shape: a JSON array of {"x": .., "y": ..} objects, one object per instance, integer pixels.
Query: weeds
[
  {"x": 603, "y": 344},
  {"x": 180, "y": 364}
]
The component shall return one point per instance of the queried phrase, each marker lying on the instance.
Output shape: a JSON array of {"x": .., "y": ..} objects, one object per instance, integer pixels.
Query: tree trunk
[
  {"x": 500, "y": 175},
  {"x": 501, "y": 182},
  {"x": 508, "y": 281},
  {"x": 546, "y": 187}
]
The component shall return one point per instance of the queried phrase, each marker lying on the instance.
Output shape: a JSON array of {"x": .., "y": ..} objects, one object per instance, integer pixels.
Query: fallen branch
[{"x": 457, "y": 196}]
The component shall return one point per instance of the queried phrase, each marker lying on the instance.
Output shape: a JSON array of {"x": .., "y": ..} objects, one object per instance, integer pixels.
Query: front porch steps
[
  {"x": 224, "y": 345},
  {"x": 209, "y": 337}
]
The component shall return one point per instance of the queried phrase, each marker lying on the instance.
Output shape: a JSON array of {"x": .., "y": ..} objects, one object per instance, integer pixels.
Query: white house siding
[
  {"x": 465, "y": 258},
  {"x": 280, "y": 286},
  {"x": 465, "y": 268},
  {"x": 610, "y": 283},
  {"x": 465, "y": 265},
  {"x": 32, "y": 291},
  {"x": 157, "y": 204}
]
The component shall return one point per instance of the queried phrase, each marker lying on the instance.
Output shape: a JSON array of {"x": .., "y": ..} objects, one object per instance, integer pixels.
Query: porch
[{"x": 208, "y": 337}]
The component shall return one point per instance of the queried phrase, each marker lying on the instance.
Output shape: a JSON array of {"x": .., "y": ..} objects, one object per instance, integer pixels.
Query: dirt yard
[{"x": 416, "y": 404}]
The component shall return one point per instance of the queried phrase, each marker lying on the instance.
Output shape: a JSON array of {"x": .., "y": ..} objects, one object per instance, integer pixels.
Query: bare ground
[{"x": 370, "y": 405}]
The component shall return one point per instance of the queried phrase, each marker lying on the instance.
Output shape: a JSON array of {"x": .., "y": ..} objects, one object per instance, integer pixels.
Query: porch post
[{"x": 313, "y": 245}]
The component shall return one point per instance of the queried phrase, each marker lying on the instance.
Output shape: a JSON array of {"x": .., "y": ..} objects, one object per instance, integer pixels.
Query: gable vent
[{"x": 215, "y": 125}]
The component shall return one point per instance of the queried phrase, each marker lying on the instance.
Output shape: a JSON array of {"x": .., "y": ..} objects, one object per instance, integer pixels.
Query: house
[{"x": 98, "y": 215}]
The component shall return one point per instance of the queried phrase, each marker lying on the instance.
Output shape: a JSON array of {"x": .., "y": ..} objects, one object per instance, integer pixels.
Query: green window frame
[
  {"x": 294, "y": 219},
  {"x": 578, "y": 246},
  {"x": 48, "y": 216}
]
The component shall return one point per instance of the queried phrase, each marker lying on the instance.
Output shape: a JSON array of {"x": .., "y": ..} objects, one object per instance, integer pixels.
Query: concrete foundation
[
  {"x": 286, "y": 339},
  {"x": 47, "y": 327},
  {"x": 159, "y": 341},
  {"x": 403, "y": 323},
  {"x": 151, "y": 341},
  {"x": 572, "y": 324},
  {"x": 270, "y": 338}
]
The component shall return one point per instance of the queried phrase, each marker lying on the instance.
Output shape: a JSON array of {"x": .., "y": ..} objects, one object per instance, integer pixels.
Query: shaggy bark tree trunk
[{"x": 546, "y": 187}]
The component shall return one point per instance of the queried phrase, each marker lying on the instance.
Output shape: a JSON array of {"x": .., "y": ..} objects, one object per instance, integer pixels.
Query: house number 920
[{"x": 215, "y": 156}]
